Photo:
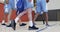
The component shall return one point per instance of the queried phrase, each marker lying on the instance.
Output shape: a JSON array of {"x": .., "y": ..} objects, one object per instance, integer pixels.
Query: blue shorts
[
  {"x": 41, "y": 6},
  {"x": 7, "y": 8},
  {"x": 12, "y": 4},
  {"x": 18, "y": 11},
  {"x": 27, "y": 5}
]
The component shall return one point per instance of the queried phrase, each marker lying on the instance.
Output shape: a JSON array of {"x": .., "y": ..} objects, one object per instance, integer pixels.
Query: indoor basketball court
[{"x": 53, "y": 19}]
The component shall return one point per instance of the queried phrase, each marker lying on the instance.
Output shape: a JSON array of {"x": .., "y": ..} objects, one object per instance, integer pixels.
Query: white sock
[
  {"x": 3, "y": 21},
  {"x": 16, "y": 20},
  {"x": 30, "y": 23}
]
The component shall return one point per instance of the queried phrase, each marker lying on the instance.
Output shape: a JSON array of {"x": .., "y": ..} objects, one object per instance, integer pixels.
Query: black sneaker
[
  {"x": 9, "y": 25},
  {"x": 13, "y": 24},
  {"x": 33, "y": 28},
  {"x": 3, "y": 24},
  {"x": 43, "y": 22},
  {"x": 23, "y": 24},
  {"x": 47, "y": 25}
]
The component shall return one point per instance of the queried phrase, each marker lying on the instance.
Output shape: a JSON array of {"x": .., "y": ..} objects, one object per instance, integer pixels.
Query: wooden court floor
[{"x": 54, "y": 27}]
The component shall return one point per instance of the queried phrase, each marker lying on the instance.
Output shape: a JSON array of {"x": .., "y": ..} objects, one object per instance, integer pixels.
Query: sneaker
[
  {"x": 13, "y": 24},
  {"x": 3, "y": 24},
  {"x": 23, "y": 24},
  {"x": 33, "y": 28},
  {"x": 43, "y": 22},
  {"x": 9, "y": 25},
  {"x": 47, "y": 25}
]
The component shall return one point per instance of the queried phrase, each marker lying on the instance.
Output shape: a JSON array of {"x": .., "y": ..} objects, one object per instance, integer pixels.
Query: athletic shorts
[
  {"x": 7, "y": 8},
  {"x": 27, "y": 5},
  {"x": 10, "y": 6},
  {"x": 41, "y": 6}
]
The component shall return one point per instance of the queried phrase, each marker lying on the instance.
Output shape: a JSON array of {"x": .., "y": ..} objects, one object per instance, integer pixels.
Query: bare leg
[
  {"x": 20, "y": 23},
  {"x": 43, "y": 18},
  {"x": 30, "y": 16},
  {"x": 31, "y": 25},
  {"x": 4, "y": 19},
  {"x": 21, "y": 14},
  {"x": 35, "y": 16},
  {"x": 46, "y": 18},
  {"x": 9, "y": 18},
  {"x": 16, "y": 19}
]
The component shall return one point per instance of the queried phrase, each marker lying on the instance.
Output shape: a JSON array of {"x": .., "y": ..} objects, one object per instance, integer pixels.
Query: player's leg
[
  {"x": 46, "y": 18},
  {"x": 35, "y": 17},
  {"x": 11, "y": 8},
  {"x": 15, "y": 21},
  {"x": 31, "y": 25},
  {"x": 20, "y": 23},
  {"x": 29, "y": 9},
  {"x": 44, "y": 8},
  {"x": 4, "y": 19},
  {"x": 9, "y": 18},
  {"x": 5, "y": 13},
  {"x": 38, "y": 9}
]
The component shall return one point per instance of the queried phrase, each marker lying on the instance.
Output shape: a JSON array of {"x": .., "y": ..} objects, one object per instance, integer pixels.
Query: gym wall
[{"x": 24, "y": 18}]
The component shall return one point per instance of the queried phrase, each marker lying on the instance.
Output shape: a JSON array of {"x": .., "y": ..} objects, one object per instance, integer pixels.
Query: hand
[
  {"x": 7, "y": 1},
  {"x": 29, "y": 0},
  {"x": 47, "y": 1}
]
